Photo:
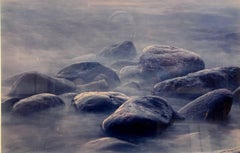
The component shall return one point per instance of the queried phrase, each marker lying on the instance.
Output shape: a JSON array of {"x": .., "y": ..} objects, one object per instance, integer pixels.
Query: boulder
[
  {"x": 108, "y": 144},
  {"x": 32, "y": 83},
  {"x": 158, "y": 63},
  {"x": 140, "y": 116},
  {"x": 196, "y": 84},
  {"x": 166, "y": 62},
  {"x": 122, "y": 50},
  {"x": 99, "y": 101},
  {"x": 36, "y": 103},
  {"x": 214, "y": 105},
  {"x": 86, "y": 72}
]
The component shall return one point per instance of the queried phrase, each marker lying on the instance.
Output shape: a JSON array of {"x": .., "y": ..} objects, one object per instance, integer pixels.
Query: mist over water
[{"x": 46, "y": 36}]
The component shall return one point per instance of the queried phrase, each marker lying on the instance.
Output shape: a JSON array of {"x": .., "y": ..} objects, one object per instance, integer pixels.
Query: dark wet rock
[
  {"x": 214, "y": 105},
  {"x": 122, "y": 50},
  {"x": 36, "y": 103},
  {"x": 168, "y": 62},
  {"x": 120, "y": 64},
  {"x": 158, "y": 63},
  {"x": 32, "y": 83},
  {"x": 236, "y": 95},
  {"x": 141, "y": 116},
  {"x": 108, "y": 144},
  {"x": 7, "y": 104},
  {"x": 99, "y": 101},
  {"x": 86, "y": 72},
  {"x": 196, "y": 84}
]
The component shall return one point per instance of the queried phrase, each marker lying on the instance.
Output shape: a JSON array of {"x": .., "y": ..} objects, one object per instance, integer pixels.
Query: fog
[{"x": 46, "y": 36}]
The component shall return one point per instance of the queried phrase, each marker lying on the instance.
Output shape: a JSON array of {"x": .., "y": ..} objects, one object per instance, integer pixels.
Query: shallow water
[
  {"x": 65, "y": 130},
  {"x": 46, "y": 36}
]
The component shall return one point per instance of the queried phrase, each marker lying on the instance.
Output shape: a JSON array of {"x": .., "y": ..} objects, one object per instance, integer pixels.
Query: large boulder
[
  {"x": 158, "y": 63},
  {"x": 108, "y": 144},
  {"x": 167, "y": 62},
  {"x": 36, "y": 103},
  {"x": 214, "y": 105},
  {"x": 99, "y": 101},
  {"x": 86, "y": 72},
  {"x": 196, "y": 84},
  {"x": 32, "y": 83},
  {"x": 122, "y": 50},
  {"x": 141, "y": 116}
]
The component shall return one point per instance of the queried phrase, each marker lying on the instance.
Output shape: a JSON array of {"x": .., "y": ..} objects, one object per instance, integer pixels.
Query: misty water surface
[{"x": 47, "y": 35}]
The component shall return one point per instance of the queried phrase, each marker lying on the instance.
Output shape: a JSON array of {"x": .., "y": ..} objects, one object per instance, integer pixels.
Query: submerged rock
[
  {"x": 99, "y": 101},
  {"x": 86, "y": 72},
  {"x": 168, "y": 62},
  {"x": 32, "y": 83},
  {"x": 214, "y": 105},
  {"x": 108, "y": 144},
  {"x": 196, "y": 84},
  {"x": 36, "y": 103},
  {"x": 122, "y": 50},
  {"x": 141, "y": 116}
]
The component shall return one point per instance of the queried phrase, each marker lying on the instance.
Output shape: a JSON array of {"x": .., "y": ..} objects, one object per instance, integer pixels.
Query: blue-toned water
[{"x": 46, "y": 36}]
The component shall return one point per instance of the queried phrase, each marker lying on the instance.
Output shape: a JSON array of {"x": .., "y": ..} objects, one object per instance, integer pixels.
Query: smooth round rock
[
  {"x": 32, "y": 83},
  {"x": 36, "y": 103},
  {"x": 99, "y": 101},
  {"x": 169, "y": 62},
  {"x": 196, "y": 84},
  {"x": 121, "y": 50},
  {"x": 141, "y": 116},
  {"x": 214, "y": 105},
  {"x": 86, "y": 72},
  {"x": 108, "y": 144}
]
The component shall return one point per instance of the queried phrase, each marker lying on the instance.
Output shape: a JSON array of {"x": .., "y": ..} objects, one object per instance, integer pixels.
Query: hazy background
[
  {"x": 41, "y": 35},
  {"x": 47, "y": 35}
]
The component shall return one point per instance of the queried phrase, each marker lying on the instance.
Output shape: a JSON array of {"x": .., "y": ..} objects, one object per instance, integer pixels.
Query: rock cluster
[{"x": 168, "y": 72}]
